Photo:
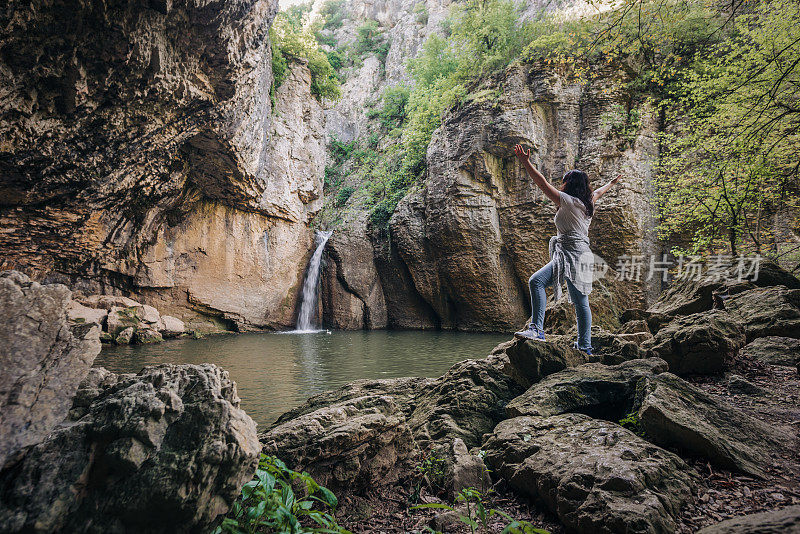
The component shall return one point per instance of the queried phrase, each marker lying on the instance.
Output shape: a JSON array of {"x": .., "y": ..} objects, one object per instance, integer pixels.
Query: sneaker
[
  {"x": 588, "y": 350},
  {"x": 531, "y": 333}
]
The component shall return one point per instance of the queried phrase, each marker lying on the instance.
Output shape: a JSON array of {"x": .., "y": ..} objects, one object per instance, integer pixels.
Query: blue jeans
[{"x": 543, "y": 278}]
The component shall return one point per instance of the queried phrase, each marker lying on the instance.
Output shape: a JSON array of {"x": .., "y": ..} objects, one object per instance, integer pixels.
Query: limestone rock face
[
  {"x": 701, "y": 343},
  {"x": 142, "y": 155},
  {"x": 770, "y": 311},
  {"x": 594, "y": 389},
  {"x": 476, "y": 230},
  {"x": 674, "y": 413},
  {"x": 43, "y": 358},
  {"x": 405, "y": 29},
  {"x": 783, "y": 521},
  {"x": 774, "y": 350},
  {"x": 352, "y": 293},
  {"x": 596, "y": 476},
  {"x": 166, "y": 450}
]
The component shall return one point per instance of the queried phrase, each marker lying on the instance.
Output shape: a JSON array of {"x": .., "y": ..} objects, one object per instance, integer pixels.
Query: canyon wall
[
  {"x": 141, "y": 155},
  {"x": 460, "y": 248},
  {"x": 478, "y": 227}
]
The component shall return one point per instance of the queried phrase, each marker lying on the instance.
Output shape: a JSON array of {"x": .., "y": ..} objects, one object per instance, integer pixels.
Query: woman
[{"x": 571, "y": 260}]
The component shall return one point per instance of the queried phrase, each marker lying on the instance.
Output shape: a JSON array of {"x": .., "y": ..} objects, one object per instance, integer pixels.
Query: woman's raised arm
[
  {"x": 600, "y": 191},
  {"x": 549, "y": 191}
]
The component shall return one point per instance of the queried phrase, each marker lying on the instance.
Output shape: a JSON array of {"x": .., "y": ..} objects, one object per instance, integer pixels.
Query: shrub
[
  {"x": 344, "y": 195},
  {"x": 334, "y": 14},
  {"x": 370, "y": 39},
  {"x": 292, "y": 36},
  {"x": 269, "y": 502}
]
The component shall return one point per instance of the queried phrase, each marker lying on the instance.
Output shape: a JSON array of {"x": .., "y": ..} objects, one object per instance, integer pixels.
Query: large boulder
[
  {"x": 466, "y": 403},
  {"x": 357, "y": 436},
  {"x": 655, "y": 321},
  {"x": 701, "y": 343},
  {"x": 783, "y": 521},
  {"x": 696, "y": 294},
  {"x": 43, "y": 358},
  {"x": 166, "y": 450},
  {"x": 769, "y": 311},
  {"x": 673, "y": 413},
  {"x": 78, "y": 313},
  {"x": 171, "y": 326},
  {"x": 357, "y": 443},
  {"x": 606, "y": 392},
  {"x": 120, "y": 318},
  {"x": 774, "y": 350},
  {"x": 534, "y": 360},
  {"x": 596, "y": 476}
]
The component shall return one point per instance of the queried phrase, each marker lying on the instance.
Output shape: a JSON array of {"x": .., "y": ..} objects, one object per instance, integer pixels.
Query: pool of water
[{"x": 275, "y": 372}]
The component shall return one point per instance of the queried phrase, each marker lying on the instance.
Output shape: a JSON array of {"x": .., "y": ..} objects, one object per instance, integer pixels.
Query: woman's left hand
[{"x": 521, "y": 154}]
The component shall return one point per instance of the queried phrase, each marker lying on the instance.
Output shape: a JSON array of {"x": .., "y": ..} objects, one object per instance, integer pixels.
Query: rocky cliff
[
  {"x": 461, "y": 246},
  {"x": 141, "y": 154},
  {"x": 478, "y": 227}
]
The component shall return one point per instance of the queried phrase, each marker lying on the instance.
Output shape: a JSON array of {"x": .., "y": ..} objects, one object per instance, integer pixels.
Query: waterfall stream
[{"x": 308, "y": 305}]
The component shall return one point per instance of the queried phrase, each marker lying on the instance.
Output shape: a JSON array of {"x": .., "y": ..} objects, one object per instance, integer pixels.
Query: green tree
[
  {"x": 293, "y": 36},
  {"x": 732, "y": 164}
]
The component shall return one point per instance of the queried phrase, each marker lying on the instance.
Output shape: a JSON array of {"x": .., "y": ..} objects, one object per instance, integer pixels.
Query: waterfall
[{"x": 308, "y": 305}]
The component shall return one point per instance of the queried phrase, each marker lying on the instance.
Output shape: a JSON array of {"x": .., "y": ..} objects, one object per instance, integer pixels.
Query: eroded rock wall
[
  {"x": 478, "y": 227},
  {"x": 139, "y": 154}
]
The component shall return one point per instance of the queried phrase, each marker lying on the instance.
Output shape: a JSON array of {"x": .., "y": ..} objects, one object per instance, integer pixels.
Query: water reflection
[{"x": 276, "y": 372}]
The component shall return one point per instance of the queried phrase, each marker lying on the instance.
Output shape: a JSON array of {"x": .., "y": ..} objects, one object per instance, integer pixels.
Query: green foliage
[
  {"x": 334, "y": 13},
  {"x": 632, "y": 423},
  {"x": 621, "y": 122},
  {"x": 731, "y": 162},
  {"x": 430, "y": 473},
  {"x": 343, "y": 195},
  {"x": 487, "y": 35},
  {"x": 292, "y": 35},
  {"x": 393, "y": 111},
  {"x": 269, "y": 502},
  {"x": 340, "y": 152},
  {"x": 421, "y": 13},
  {"x": 370, "y": 39},
  {"x": 478, "y": 515}
]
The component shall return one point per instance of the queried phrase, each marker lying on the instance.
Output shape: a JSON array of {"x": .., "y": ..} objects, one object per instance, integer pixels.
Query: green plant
[
  {"x": 269, "y": 502},
  {"x": 393, "y": 111},
  {"x": 430, "y": 473},
  {"x": 632, "y": 423},
  {"x": 421, "y": 13},
  {"x": 621, "y": 122},
  {"x": 370, "y": 39},
  {"x": 292, "y": 35},
  {"x": 478, "y": 515},
  {"x": 343, "y": 195},
  {"x": 333, "y": 12}
]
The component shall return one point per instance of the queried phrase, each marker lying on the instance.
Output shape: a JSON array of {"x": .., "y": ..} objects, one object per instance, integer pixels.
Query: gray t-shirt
[
  {"x": 569, "y": 250},
  {"x": 571, "y": 217}
]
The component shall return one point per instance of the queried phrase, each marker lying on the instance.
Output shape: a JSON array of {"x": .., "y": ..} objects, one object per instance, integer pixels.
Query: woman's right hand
[{"x": 521, "y": 154}]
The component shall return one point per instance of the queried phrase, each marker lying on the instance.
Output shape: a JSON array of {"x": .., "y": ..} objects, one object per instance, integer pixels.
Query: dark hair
[{"x": 576, "y": 184}]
